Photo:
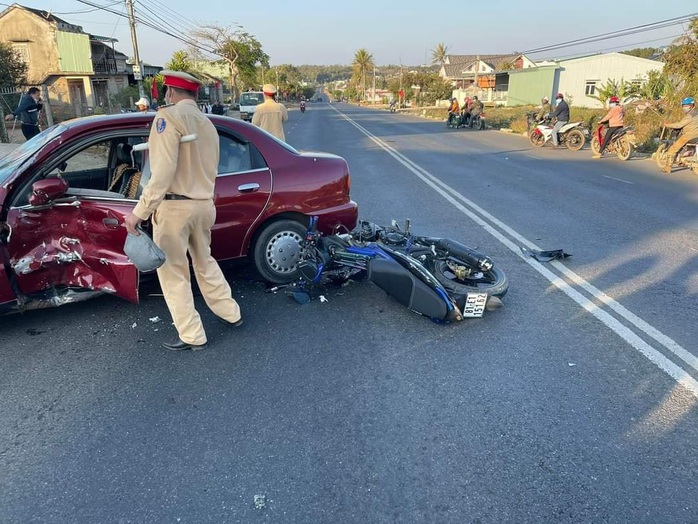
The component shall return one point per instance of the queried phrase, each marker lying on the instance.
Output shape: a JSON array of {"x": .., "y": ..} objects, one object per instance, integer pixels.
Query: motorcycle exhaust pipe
[{"x": 466, "y": 254}]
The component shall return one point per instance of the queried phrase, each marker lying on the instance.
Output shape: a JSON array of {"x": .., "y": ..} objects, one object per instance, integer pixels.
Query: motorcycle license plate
[{"x": 475, "y": 305}]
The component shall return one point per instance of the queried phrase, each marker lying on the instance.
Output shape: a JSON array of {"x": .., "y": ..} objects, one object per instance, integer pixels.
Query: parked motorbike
[
  {"x": 436, "y": 277},
  {"x": 393, "y": 107},
  {"x": 687, "y": 155},
  {"x": 572, "y": 134},
  {"x": 622, "y": 143}
]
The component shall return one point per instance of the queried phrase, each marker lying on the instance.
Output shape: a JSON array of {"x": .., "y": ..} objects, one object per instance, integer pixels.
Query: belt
[{"x": 170, "y": 196}]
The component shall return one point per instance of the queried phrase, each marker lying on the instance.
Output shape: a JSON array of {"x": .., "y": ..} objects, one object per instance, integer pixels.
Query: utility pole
[
  {"x": 399, "y": 94},
  {"x": 137, "y": 72},
  {"x": 477, "y": 68},
  {"x": 374, "y": 85}
]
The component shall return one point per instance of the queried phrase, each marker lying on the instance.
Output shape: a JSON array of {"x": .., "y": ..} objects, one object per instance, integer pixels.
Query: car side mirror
[{"x": 47, "y": 190}]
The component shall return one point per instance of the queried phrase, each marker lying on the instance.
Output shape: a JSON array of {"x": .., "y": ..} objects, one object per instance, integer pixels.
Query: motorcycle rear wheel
[
  {"x": 595, "y": 145},
  {"x": 493, "y": 282},
  {"x": 575, "y": 140},
  {"x": 536, "y": 138},
  {"x": 624, "y": 149}
]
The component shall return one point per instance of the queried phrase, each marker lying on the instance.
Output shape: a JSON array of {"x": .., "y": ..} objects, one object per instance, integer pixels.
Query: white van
[{"x": 248, "y": 102}]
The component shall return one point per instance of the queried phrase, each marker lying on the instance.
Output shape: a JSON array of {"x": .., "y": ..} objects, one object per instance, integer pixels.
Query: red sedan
[{"x": 65, "y": 193}]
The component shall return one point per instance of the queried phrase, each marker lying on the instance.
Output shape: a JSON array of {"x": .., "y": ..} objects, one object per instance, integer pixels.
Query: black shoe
[
  {"x": 235, "y": 324},
  {"x": 178, "y": 345}
]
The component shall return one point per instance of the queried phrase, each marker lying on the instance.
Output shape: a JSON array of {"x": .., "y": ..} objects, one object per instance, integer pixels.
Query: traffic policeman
[{"x": 179, "y": 198}]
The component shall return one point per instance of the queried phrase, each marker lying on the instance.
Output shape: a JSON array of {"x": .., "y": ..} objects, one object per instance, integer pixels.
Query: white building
[{"x": 580, "y": 77}]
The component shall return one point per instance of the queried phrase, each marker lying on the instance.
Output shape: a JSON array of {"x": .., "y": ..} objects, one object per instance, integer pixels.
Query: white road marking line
[
  {"x": 618, "y": 179},
  {"x": 656, "y": 357}
]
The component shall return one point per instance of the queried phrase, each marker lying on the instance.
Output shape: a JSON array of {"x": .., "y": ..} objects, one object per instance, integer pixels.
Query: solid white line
[
  {"x": 618, "y": 179},
  {"x": 452, "y": 196}
]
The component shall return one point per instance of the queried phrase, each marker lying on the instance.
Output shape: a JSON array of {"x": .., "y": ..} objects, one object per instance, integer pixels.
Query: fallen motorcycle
[
  {"x": 571, "y": 134},
  {"x": 687, "y": 156},
  {"x": 436, "y": 277},
  {"x": 622, "y": 143}
]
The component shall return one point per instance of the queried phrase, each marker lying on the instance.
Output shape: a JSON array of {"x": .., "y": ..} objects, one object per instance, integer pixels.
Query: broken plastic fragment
[
  {"x": 260, "y": 501},
  {"x": 155, "y": 320},
  {"x": 323, "y": 299},
  {"x": 544, "y": 256},
  {"x": 133, "y": 326}
]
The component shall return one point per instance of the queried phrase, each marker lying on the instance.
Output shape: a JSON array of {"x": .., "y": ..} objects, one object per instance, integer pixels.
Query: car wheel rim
[{"x": 283, "y": 252}]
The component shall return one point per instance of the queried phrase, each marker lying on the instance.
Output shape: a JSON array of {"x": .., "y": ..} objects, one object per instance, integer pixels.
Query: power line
[
  {"x": 152, "y": 25},
  {"x": 625, "y": 47},
  {"x": 615, "y": 34}
]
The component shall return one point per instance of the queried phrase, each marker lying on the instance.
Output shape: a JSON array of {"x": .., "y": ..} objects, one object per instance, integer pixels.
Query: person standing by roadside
[
  {"x": 562, "y": 114},
  {"x": 179, "y": 197},
  {"x": 614, "y": 120},
  {"x": 544, "y": 110},
  {"x": 270, "y": 115},
  {"x": 27, "y": 112},
  {"x": 689, "y": 130},
  {"x": 143, "y": 105}
]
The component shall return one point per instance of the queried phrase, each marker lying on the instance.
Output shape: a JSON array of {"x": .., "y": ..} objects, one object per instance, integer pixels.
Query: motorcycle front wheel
[
  {"x": 575, "y": 140},
  {"x": 595, "y": 145},
  {"x": 661, "y": 155},
  {"x": 536, "y": 138},
  {"x": 624, "y": 149}
]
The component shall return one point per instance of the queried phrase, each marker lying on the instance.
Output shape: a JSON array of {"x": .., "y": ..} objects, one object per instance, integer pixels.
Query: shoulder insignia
[{"x": 160, "y": 125}]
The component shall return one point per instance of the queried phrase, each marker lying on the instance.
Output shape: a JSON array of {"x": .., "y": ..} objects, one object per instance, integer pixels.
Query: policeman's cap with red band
[{"x": 181, "y": 80}]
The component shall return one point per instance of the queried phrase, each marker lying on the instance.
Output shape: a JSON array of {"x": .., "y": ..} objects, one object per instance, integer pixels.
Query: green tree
[
  {"x": 13, "y": 70},
  {"x": 240, "y": 51},
  {"x": 623, "y": 89},
  {"x": 681, "y": 61},
  {"x": 439, "y": 54},
  {"x": 363, "y": 61},
  {"x": 180, "y": 61},
  {"x": 642, "y": 52}
]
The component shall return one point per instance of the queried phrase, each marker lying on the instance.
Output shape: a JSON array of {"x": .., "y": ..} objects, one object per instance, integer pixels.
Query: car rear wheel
[{"x": 277, "y": 251}]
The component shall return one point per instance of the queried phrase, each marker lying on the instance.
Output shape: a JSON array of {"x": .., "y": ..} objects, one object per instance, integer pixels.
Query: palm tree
[
  {"x": 363, "y": 60},
  {"x": 439, "y": 53}
]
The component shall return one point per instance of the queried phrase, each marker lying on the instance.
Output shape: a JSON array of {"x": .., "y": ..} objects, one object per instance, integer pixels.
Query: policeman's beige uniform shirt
[
  {"x": 270, "y": 116},
  {"x": 187, "y": 169}
]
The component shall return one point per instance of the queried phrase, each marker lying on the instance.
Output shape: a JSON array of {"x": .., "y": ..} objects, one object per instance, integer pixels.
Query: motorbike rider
[
  {"x": 476, "y": 108},
  {"x": 302, "y": 104},
  {"x": 544, "y": 110},
  {"x": 453, "y": 111},
  {"x": 614, "y": 120},
  {"x": 562, "y": 114},
  {"x": 689, "y": 130}
]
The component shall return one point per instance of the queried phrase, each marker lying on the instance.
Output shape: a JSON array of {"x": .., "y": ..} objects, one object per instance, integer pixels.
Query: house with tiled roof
[
  {"x": 483, "y": 75},
  {"x": 79, "y": 69}
]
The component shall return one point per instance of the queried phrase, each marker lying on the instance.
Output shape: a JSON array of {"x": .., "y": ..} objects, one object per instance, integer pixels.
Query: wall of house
[
  {"x": 75, "y": 52},
  {"x": 574, "y": 74},
  {"x": 528, "y": 86},
  {"x": 22, "y": 27}
]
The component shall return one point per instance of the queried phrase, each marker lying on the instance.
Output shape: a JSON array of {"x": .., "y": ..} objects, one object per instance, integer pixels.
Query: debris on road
[
  {"x": 544, "y": 256},
  {"x": 260, "y": 501},
  {"x": 155, "y": 320}
]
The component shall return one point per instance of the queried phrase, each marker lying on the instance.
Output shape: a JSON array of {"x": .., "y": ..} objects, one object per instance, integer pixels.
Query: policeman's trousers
[{"x": 181, "y": 226}]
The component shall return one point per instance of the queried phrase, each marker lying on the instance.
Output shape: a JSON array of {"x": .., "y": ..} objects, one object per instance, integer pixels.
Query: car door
[
  {"x": 242, "y": 192},
  {"x": 75, "y": 242}
]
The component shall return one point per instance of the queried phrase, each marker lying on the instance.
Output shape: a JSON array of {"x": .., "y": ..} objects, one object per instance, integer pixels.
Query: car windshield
[
  {"x": 248, "y": 99},
  {"x": 17, "y": 157}
]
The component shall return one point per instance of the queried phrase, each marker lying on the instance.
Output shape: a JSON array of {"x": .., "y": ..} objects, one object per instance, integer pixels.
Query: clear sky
[{"x": 397, "y": 31}]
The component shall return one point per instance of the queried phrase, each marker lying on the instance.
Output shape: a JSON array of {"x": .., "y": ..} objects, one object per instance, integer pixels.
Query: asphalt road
[{"x": 574, "y": 403}]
